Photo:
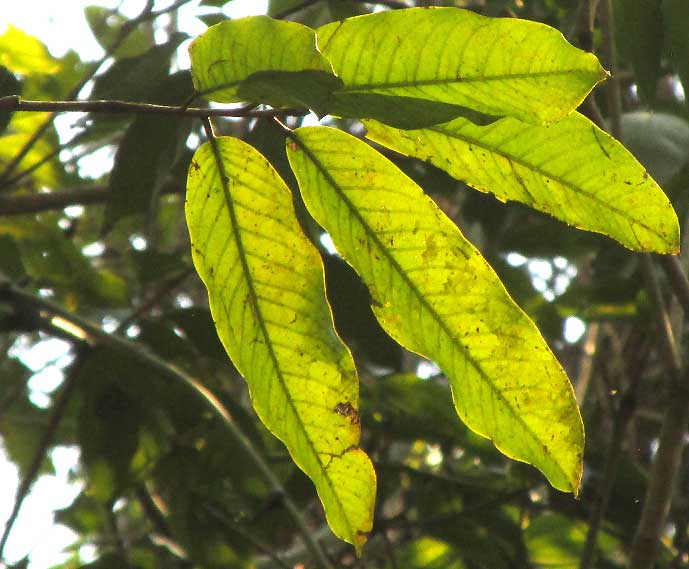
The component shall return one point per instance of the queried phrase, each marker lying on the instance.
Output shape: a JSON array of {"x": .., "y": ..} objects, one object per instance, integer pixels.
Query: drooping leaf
[
  {"x": 571, "y": 170},
  {"x": 149, "y": 147},
  {"x": 639, "y": 39},
  {"x": 435, "y": 294},
  {"x": 675, "y": 17},
  {"x": 265, "y": 284},
  {"x": 496, "y": 66},
  {"x": 261, "y": 60}
]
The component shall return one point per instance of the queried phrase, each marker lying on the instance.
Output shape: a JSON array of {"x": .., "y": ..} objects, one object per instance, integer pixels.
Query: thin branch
[
  {"x": 667, "y": 337},
  {"x": 16, "y": 103},
  {"x": 36, "y": 203},
  {"x": 169, "y": 285},
  {"x": 663, "y": 479},
  {"x": 678, "y": 280},
  {"x": 623, "y": 416},
  {"x": 19, "y": 296},
  {"x": 668, "y": 459},
  {"x": 49, "y": 434},
  {"x": 223, "y": 520}
]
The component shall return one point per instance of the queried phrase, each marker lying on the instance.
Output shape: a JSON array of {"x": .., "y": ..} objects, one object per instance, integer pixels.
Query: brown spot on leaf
[{"x": 346, "y": 410}]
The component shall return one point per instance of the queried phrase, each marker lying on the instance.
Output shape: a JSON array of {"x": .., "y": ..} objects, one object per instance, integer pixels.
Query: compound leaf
[
  {"x": 261, "y": 60},
  {"x": 572, "y": 170},
  {"x": 436, "y": 295},
  {"x": 266, "y": 292},
  {"x": 495, "y": 66}
]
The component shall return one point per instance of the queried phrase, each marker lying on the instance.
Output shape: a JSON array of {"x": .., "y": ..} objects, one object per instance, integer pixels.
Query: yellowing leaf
[
  {"x": 261, "y": 60},
  {"x": 25, "y": 54},
  {"x": 266, "y": 292},
  {"x": 496, "y": 66},
  {"x": 435, "y": 294},
  {"x": 571, "y": 170}
]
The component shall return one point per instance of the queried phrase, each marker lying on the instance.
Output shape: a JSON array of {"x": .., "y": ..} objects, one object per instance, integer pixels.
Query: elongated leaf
[
  {"x": 571, "y": 170},
  {"x": 436, "y": 295},
  {"x": 265, "y": 285},
  {"x": 496, "y": 66},
  {"x": 261, "y": 60}
]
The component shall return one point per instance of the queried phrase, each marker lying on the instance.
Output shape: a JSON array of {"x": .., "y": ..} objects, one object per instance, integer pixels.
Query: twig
[
  {"x": 623, "y": 416},
  {"x": 39, "y": 455},
  {"x": 35, "y": 203},
  {"x": 256, "y": 542},
  {"x": 663, "y": 478},
  {"x": 16, "y": 103},
  {"x": 206, "y": 397},
  {"x": 667, "y": 337},
  {"x": 170, "y": 285},
  {"x": 667, "y": 462},
  {"x": 678, "y": 280}
]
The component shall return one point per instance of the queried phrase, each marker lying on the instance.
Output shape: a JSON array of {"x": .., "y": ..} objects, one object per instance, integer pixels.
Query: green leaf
[
  {"x": 435, "y": 294},
  {"x": 639, "y": 39},
  {"x": 500, "y": 66},
  {"x": 675, "y": 17},
  {"x": 261, "y": 60},
  {"x": 149, "y": 147},
  {"x": 571, "y": 170},
  {"x": 25, "y": 54},
  {"x": 658, "y": 140},
  {"x": 265, "y": 285},
  {"x": 106, "y": 25}
]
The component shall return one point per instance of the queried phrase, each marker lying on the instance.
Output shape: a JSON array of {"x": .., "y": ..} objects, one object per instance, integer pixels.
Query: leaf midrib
[
  {"x": 546, "y": 174},
  {"x": 420, "y": 296},
  {"x": 454, "y": 80},
  {"x": 253, "y": 298}
]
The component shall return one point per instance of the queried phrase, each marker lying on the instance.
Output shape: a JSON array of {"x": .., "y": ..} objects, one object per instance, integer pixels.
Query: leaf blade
[
  {"x": 535, "y": 75},
  {"x": 265, "y": 283},
  {"x": 415, "y": 262},
  {"x": 571, "y": 170},
  {"x": 261, "y": 60}
]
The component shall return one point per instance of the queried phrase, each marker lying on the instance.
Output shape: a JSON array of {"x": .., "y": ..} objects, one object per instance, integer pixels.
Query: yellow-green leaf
[
  {"x": 572, "y": 170},
  {"x": 436, "y": 295},
  {"x": 261, "y": 60},
  {"x": 266, "y": 293},
  {"x": 496, "y": 66}
]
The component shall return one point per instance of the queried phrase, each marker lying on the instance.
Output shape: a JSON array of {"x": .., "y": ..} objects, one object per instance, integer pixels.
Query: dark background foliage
[{"x": 166, "y": 485}]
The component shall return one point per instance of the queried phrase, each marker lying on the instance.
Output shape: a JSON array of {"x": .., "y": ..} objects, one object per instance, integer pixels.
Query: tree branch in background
[
  {"x": 16, "y": 103},
  {"x": 36, "y": 203},
  {"x": 637, "y": 353},
  {"x": 46, "y": 440},
  {"x": 94, "y": 333},
  {"x": 678, "y": 280},
  {"x": 668, "y": 459}
]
